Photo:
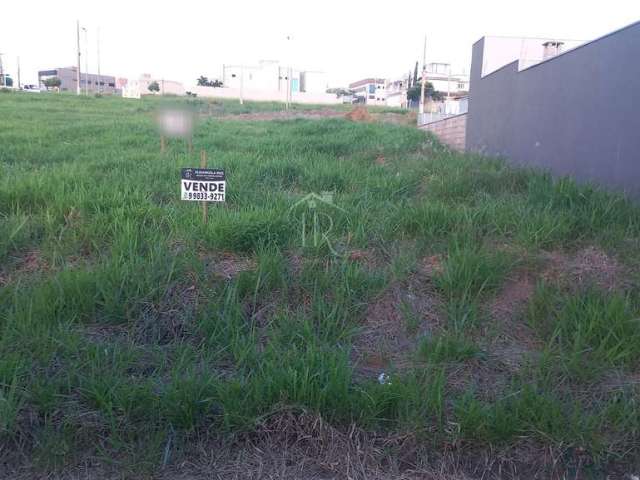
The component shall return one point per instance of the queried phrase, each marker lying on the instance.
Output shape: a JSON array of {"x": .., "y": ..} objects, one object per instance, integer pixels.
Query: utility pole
[
  {"x": 86, "y": 61},
  {"x": 290, "y": 87},
  {"x": 98, "y": 57},
  {"x": 424, "y": 76},
  {"x": 18, "y": 63},
  {"x": 289, "y": 69},
  {"x": 78, "y": 91}
]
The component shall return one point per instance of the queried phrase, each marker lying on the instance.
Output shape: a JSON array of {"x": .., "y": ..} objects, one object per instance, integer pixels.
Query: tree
[
  {"x": 52, "y": 82},
  {"x": 205, "y": 82},
  {"x": 154, "y": 87},
  {"x": 413, "y": 93},
  {"x": 415, "y": 74}
]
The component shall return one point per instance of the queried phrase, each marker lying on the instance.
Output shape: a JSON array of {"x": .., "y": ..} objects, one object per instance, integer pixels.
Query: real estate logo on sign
[{"x": 203, "y": 184}]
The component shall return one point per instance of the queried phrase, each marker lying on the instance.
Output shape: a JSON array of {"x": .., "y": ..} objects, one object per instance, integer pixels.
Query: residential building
[
  {"x": 270, "y": 76},
  {"x": 88, "y": 81},
  {"x": 500, "y": 51},
  {"x": 371, "y": 91},
  {"x": 444, "y": 81},
  {"x": 396, "y": 92}
]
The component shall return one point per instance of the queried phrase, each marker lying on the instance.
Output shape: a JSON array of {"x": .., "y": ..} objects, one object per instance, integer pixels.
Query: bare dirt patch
[
  {"x": 509, "y": 338},
  {"x": 392, "y": 325},
  {"x": 590, "y": 266},
  {"x": 284, "y": 115},
  {"x": 359, "y": 114},
  {"x": 431, "y": 265},
  {"x": 506, "y": 342}
]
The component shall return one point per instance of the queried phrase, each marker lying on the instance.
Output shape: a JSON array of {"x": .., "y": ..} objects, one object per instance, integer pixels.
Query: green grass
[{"x": 118, "y": 329}]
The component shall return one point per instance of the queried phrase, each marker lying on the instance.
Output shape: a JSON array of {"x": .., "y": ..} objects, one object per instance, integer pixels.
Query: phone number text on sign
[{"x": 203, "y": 185}]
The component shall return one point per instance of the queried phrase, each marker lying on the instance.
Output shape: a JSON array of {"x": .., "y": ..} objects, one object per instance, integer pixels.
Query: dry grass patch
[
  {"x": 227, "y": 265},
  {"x": 28, "y": 263},
  {"x": 590, "y": 266}
]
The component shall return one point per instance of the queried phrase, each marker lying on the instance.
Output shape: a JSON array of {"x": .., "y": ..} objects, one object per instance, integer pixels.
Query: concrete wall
[
  {"x": 265, "y": 95},
  {"x": 575, "y": 114},
  {"x": 450, "y": 131}
]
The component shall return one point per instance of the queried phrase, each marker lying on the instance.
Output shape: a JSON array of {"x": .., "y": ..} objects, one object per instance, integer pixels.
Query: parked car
[{"x": 31, "y": 88}]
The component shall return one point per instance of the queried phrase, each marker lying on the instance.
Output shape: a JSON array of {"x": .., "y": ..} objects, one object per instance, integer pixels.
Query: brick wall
[{"x": 450, "y": 131}]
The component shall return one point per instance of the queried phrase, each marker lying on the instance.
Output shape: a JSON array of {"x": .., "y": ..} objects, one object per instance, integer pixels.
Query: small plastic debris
[{"x": 384, "y": 379}]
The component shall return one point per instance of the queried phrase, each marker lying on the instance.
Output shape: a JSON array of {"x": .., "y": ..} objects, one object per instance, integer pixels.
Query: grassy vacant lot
[{"x": 136, "y": 341}]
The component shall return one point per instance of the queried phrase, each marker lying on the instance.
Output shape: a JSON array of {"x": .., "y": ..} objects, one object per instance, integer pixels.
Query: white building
[
  {"x": 500, "y": 51},
  {"x": 396, "y": 92},
  {"x": 371, "y": 91},
  {"x": 270, "y": 76},
  {"x": 444, "y": 81},
  {"x": 268, "y": 81},
  {"x": 136, "y": 88}
]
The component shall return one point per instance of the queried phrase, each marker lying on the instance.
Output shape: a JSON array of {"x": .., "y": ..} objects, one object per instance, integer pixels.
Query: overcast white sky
[{"x": 349, "y": 40}]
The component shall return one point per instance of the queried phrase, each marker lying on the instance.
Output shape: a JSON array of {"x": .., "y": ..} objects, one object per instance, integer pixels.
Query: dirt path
[
  {"x": 285, "y": 115},
  {"x": 318, "y": 114}
]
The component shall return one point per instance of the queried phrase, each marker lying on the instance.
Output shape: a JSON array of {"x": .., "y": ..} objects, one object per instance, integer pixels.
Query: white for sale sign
[{"x": 203, "y": 184}]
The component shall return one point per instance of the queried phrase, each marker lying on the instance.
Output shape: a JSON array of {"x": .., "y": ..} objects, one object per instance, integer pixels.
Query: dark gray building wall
[{"x": 576, "y": 114}]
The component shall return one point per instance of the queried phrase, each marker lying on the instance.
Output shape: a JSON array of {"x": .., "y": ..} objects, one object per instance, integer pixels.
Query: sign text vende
[{"x": 203, "y": 185}]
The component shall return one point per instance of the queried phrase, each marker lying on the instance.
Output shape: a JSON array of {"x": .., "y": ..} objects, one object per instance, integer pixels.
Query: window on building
[
  {"x": 372, "y": 89},
  {"x": 233, "y": 75},
  {"x": 372, "y": 97},
  {"x": 111, "y": 84},
  {"x": 461, "y": 86}
]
